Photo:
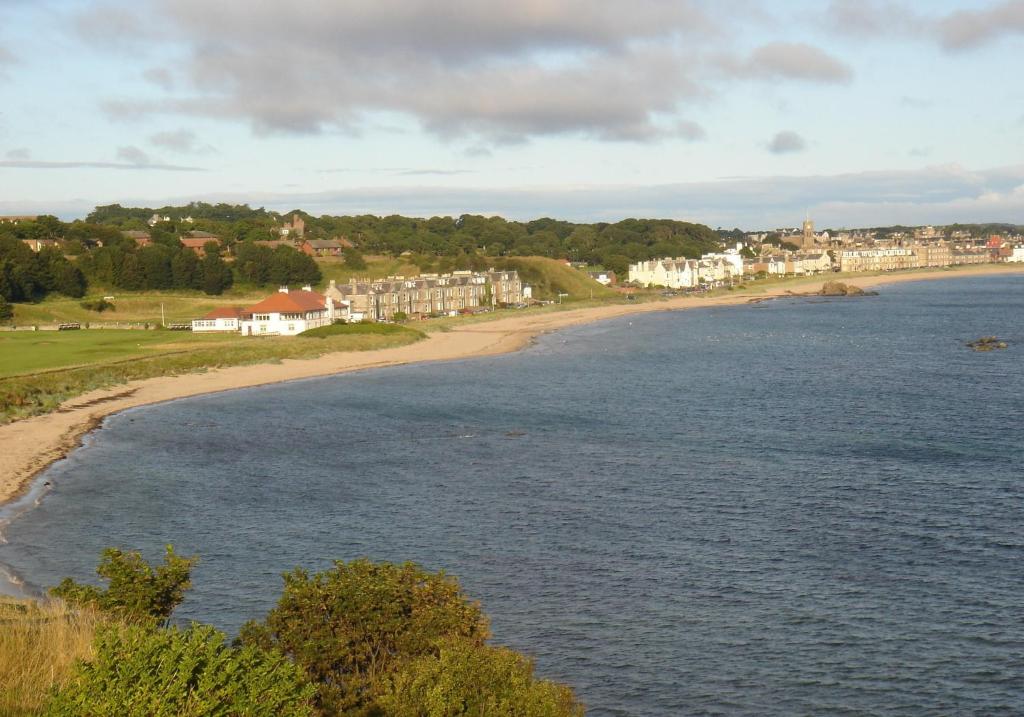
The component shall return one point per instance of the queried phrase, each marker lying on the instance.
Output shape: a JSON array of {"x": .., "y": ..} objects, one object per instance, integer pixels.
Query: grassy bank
[
  {"x": 39, "y": 643},
  {"x": 113, "y": 360}
]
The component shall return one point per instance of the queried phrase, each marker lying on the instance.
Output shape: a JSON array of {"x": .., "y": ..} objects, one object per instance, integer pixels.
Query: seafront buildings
[
  {"x": 288, "y": 312},
  {"x": 809, "y": 253}
]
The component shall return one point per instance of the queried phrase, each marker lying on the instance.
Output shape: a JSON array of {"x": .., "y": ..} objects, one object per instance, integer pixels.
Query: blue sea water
[{"x": 801, "y": 507}]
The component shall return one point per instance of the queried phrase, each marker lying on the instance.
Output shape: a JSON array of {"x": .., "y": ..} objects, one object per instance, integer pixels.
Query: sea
[{"x": 806, "y": 506}]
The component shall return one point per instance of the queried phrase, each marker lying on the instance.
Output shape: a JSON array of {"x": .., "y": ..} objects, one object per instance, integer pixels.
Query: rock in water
[
  {"x": 987, "y": 343},
  {"x": 838, "y": 288}
]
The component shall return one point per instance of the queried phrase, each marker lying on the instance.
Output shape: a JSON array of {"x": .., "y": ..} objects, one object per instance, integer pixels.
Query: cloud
[
  {"x": 133, "y": 155},
  {"x": 968, "y": 29},
  {"x": 488, "y": 72},
  {"x": 19, "y": 153},
  {"x": 690, "y": 131},
  {"x": 872, "y": 19},
  {"x": 792, "y": 61},
  {"x": 128, "y": 164},
  {"x": 183, "y": 141},
  {"x": 160, "y": 77},
  {"x": 6, "y": 60},
  {"x": 931, "y": 195},
  {"x": 787, "y": 142}
]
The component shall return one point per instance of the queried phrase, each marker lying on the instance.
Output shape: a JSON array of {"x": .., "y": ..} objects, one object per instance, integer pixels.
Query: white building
[
  {"x": 288, "y": 313},
  {"x": 732, "y": 257},
  {"x": 677, "y": 273},
  {"x": 221, "y": 319},
  {"x": 1017, "y": 255}
]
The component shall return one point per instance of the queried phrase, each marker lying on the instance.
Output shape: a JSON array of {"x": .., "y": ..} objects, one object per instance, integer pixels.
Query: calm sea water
[{"x": 803, "y": 507}]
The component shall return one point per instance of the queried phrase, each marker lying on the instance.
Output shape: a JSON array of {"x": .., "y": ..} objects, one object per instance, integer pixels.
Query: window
[{"x": 291, "y": 327}]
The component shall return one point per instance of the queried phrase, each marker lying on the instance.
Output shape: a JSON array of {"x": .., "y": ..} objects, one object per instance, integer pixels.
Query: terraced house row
[{"x": 428, "y": 294}]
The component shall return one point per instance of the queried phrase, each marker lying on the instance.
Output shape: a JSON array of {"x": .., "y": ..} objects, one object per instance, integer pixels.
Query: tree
[
  {"x": 6, "y": 310},
  {"x": 69, "y": 280},
  {"x": 216, "y": 275},
  {"x": 138, "y": 672},
  {"x": 353, "y": 259},
  {"x": 352, "y": 626},
  {"x": 137, "y": 592},
  {"x": 464, "y": 678}
]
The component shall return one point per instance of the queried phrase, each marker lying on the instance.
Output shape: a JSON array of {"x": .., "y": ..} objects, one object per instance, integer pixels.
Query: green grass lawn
[{"x": 23, "y": 352}]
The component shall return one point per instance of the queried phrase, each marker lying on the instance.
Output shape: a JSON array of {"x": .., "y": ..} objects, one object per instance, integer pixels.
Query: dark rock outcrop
[{"x": 987, "y": 343}]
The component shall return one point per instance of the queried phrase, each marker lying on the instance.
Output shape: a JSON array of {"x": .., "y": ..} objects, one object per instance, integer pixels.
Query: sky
[{"x": 732, "y": 113}]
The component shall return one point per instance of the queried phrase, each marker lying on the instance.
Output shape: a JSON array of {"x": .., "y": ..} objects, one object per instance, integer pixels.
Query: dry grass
[{"x": 39, "y": 643}]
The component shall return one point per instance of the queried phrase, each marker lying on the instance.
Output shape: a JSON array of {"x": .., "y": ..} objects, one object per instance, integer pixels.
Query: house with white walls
[
  {"x": 288, "y": 313},
  {"x": 223, "y": 319}
]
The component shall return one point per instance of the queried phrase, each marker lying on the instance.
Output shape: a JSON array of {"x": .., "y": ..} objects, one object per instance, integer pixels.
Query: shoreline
[{"x": 31, "y": 445}]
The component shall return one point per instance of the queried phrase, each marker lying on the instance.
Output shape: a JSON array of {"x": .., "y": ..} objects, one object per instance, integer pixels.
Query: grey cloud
[
  {"x": 43, "y": 164},
  {"x": 160, "y": 77},
  {"x": 873, "y": 19},
  {"x": 133, "y": 155},
  {"x": 486, "y": 71},
  {"x": 183, "y": 141},
  {"x": 787, "y": 142},
  {"x": 477, "y": 151},
  {"x": 968, "y": 29},
  {"x": 19, "y": 153},
  {"x": 690, "y": 131},
  {"x": 792, "y": 61},
  {"x": 932, "y": 195}
]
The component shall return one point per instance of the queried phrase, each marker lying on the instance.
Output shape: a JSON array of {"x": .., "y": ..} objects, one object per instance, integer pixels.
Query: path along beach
[{"x": 28, "y": 446}]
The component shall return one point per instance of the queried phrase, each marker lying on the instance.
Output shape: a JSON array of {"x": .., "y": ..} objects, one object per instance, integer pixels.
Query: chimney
[
  {"x": 282, "y": 290},
  {"x": 332, "y": 284},
  {"x": 307, "y": 287}
]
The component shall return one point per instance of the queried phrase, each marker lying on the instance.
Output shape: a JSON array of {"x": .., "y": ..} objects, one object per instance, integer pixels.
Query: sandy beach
[{"x": 32, "y": 444}]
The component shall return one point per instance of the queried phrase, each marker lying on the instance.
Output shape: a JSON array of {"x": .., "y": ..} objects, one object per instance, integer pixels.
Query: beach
[{"x": 32, "y": 444}]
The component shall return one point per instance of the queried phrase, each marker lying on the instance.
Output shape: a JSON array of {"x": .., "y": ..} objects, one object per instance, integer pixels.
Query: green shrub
[
  {"x": 351, "y": 627},
  {"x": 97, "y": 305},
  {"x": 137, "y": 592},
  {"x": 173, "y": 673},
  {"x": 400, "y": 316},
  {"x": 464, "y": 678}
]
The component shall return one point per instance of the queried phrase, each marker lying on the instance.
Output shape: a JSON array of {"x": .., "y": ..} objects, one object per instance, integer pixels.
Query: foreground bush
[
  {"x": 139, "y": 672},
  {"x": 39, "y": 644},
  {"x": 464, "y": 678},
  {"x": 352, "y": 627},
  {"x": 137, "y": 591}
]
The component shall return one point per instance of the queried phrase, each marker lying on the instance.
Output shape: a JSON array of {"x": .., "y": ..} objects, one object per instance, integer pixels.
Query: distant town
[
  {"x": 450, "y": 266},
  {"x": 803, "y": 252}
]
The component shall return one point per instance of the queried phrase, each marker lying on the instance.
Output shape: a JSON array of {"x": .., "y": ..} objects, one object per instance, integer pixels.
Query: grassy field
[
  {"x": 377, "y": 267},
  {"x": 133, "y": 307},
  {"x": 24, "y": 352},
  {"x": 156, "y": 353}
]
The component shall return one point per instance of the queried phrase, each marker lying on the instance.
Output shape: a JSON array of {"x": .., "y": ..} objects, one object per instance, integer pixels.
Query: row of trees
[
  {"x": 26, "y": 275},
  {"x": 112, "y": 260},
  {"x": 597, "y": 243},
  {"x": 362, "y": 638}
]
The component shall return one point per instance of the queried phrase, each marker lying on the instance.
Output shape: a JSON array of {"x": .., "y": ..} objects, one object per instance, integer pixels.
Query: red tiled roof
[
  {"x": 292, "y": 302},
  {"x": 196, "y": 243},
  {"x": 226, "y": 312}
]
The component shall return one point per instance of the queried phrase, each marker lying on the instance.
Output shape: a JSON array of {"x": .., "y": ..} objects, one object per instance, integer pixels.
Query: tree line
[
  {"x": 612, "y": 245},
  {"x": 103, "y": 256}
]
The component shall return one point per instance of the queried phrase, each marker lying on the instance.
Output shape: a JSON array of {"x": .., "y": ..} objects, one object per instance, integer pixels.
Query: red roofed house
[
  {"x": 288, "y": 313},
  {"x": 197, "y": 240},
  {"x": 223, "y": 318}
]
